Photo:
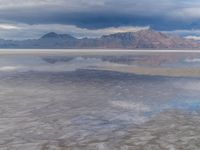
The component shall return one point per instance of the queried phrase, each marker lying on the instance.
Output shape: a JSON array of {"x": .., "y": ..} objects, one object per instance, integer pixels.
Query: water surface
[{"x": 66, "y": 102}]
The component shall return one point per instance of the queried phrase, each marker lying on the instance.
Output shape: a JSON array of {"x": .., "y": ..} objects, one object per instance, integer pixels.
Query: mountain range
[{"x": 143, "y": 39}]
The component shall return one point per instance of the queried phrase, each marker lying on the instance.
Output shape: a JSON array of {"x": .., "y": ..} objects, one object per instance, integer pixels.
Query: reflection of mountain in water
[{"x": 90, "y": 109}]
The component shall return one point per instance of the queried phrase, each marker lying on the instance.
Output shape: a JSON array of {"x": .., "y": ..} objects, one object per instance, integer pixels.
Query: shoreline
[
  {"x": 153, "y": 71},
  {"x": 47, "y": 52}
]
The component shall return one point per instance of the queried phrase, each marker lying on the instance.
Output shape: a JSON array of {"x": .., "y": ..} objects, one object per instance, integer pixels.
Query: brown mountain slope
[{"x": 144, "y": 39}]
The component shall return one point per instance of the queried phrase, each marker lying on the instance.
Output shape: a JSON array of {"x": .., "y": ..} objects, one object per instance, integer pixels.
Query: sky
[{"x": 29, "y": 19}]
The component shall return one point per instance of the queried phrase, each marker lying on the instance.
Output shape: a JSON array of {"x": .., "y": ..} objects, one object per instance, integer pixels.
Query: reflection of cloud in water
[
  {"x": 86, "y": 60},
  {"x": 137, "y": 107},
  {"x": 21, "y": 64},
  {"x": 135, "y": 112},
  {"x": 192, "y": 85},
  {"x": 187, "y": 105},
  {"x": 64, "y": 110},
  {"x": 194, "y": 60}
]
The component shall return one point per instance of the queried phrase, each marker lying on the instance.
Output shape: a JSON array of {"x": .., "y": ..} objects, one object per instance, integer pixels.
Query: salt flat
[
  {"x": 54, "y": 102},
  {"x": 87, "y": 51}
]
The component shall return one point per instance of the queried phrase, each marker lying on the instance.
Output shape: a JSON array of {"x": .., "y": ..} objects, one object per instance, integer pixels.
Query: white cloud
[
  {"x": 68, "y": 11},
  {"x": 25, "y": 31},
  {"x": 126, "y": 6},
  {"x": 5, "y": 4},
  {"x": 189, "y": 13},
  {"x": 92, "y": 2},
  {"x": 68, "y": 5},
  {"x": 123, "y": 29},
  {"x": 189, "y": 34},
  {"x": 8, "y": 27}
]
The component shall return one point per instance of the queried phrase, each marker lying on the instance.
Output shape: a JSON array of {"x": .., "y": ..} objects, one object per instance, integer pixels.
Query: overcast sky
[{"x": 21, "y": 19}]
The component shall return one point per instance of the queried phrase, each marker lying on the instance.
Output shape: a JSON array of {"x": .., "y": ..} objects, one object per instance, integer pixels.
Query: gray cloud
[
  {"x": 26, "y": 31},
  {"x": 89, "y": 14},
  {"x": 67, "y": 11}
]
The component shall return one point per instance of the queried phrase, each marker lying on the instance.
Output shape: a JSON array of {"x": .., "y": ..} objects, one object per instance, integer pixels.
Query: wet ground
[{"x": 58, "y": 104}]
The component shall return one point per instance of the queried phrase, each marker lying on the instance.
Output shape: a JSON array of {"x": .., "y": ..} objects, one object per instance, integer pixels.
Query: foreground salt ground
[
  {"x": 91, "y": 109},
  {"x": 61, "y": 111}
]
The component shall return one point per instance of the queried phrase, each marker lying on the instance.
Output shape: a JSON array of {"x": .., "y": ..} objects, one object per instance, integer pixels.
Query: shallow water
[{"x": 57, "y": 103}]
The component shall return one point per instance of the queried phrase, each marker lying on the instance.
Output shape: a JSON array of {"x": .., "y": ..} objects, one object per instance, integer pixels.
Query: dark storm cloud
[
  {"x": 32, "y": 18},
  {"x": 158, "y": 14}
]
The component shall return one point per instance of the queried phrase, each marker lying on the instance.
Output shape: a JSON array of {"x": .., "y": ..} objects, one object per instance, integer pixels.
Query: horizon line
[{"x": 49, "y": 52}]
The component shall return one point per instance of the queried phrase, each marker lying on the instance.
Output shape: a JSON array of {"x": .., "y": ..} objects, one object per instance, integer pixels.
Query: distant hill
[{"x": 144, "y": 39}]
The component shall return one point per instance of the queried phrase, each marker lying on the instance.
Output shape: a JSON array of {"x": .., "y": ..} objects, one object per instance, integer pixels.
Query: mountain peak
[
  {"x": 55, "y": 36},
  {"x": 50, "y": 35},
  {"x": 118, "y": 35},
  {"x": 143, "y": 39},
  {"x": 148, "y": 31},
  {"x": 130, "y": 34}
]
